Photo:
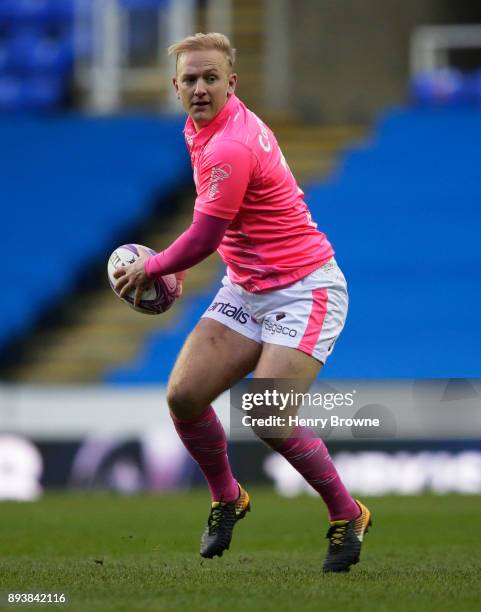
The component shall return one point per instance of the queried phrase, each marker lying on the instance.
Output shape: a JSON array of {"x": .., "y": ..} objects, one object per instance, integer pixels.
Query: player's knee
[{"x": 182, "y": 401}]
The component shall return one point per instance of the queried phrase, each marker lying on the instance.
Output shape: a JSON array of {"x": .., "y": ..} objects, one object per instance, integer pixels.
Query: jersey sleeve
[
  {"x": 199, "y": 241},
  {"x": 224, "y": 175}
]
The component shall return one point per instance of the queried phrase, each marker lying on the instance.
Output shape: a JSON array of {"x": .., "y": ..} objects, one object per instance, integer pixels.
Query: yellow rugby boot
[
  {"x": 345, "y": 540},
  {"x": 220, "y": 524}
]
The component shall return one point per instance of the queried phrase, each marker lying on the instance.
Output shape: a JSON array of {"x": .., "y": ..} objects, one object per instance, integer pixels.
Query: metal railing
[
  {"x": 430, "y": 45},
  {"x": 104, "y": 72}
]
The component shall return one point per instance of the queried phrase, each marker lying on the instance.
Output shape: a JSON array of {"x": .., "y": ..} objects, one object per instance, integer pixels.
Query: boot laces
[
  {"x": 216, "y": 516},
  {"x": 336, "y": 534}
]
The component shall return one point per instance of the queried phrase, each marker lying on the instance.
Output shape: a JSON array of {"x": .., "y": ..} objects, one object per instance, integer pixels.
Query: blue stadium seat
[
  {"x": 43, "y": 92},
  {"x": 143, "y": 4},
  {"x": 36, "y": 53},
  {"x": 30, "y": 93},
  {"x": 17, "y": 12},
  {"x": 448, "y": 86},
  {"x": 5, "y": 50},
  {"x": 10, "y": 92},
  {"x": 42, "y": 50}
]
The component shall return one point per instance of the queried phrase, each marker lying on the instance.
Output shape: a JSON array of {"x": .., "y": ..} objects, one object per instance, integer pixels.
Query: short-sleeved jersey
[{"x": 241, "y": 175}]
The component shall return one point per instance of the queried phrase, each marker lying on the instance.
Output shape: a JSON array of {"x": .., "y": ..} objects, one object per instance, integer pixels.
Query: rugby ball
[{"x": 155, "y": 300}]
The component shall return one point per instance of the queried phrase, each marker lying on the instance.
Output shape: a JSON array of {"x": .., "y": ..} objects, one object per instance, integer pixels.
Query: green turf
[{"x": 141, "y": 553}]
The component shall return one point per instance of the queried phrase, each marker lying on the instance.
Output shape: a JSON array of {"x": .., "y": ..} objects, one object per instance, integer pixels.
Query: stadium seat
[
  {"x": 30, "y": 93},
  {"x": 10, "y": 92},
  {"x": 447, "y": 86},
  {"x": 36, "y": 53},
  {"x": 17, "y": 12},
  {"x": 5, "y": 50},
  {"x": 142, "y": 4}
]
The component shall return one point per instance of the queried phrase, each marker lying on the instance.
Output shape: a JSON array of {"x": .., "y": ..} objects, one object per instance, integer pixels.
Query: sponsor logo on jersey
[
  {"x": 218, "y": 174},
  {"x": 189, "y": 136},
  {"x": 231, "y": 311},
  {"x": 277, "y": 328}
]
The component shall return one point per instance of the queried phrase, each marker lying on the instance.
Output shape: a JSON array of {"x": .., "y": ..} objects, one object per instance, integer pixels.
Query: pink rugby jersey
[{"x": 241, "y": 175}]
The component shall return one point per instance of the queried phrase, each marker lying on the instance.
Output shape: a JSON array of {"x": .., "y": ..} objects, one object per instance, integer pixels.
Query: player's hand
[
  {"x": 180, "y": 276},
  {"x": 133, "y": 277}
]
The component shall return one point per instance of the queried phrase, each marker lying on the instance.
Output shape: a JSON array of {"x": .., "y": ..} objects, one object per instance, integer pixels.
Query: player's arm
[
  {"x": 199, "y": 241},
  {"x": 223, "y": 179}
]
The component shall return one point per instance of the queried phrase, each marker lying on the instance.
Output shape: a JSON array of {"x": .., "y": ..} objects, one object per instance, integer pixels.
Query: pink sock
[
  {"x": 204, "y": 438},
  {"x": 309, "y": 456}
]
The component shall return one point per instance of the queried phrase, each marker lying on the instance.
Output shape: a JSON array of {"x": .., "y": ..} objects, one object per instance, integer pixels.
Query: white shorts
[{"x": 308, "y": 315}]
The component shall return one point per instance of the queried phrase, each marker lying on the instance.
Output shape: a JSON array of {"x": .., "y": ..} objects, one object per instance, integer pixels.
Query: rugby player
[{"x": 281, "y": 275}]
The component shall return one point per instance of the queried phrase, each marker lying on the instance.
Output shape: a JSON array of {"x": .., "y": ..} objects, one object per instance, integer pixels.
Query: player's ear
[
  {"x": 175, "y": 83},
  {"x": 232, "y": 83}
]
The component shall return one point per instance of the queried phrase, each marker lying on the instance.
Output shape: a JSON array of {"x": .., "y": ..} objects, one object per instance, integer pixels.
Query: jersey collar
[{"x": 205, "y": 134}]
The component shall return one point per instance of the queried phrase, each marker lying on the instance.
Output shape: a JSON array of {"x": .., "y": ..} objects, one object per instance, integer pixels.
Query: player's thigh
[
  {"x": 287, "y": 370},
  {"x": 212, "y": 359},
  {"x": 290, "y": 372},
  {"x": 281, "y": 362}
]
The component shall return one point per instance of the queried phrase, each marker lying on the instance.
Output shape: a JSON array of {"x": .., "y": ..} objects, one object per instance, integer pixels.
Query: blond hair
[{"x": 199, "y": 42}]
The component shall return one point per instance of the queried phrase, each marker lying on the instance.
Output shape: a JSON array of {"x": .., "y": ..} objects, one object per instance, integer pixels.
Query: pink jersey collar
[{"x": 203, "y": 135}]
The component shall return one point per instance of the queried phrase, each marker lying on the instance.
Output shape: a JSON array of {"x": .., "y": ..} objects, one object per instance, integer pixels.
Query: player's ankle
[
  {"x": 350, "y": 515},
  {"x": 227, "y": 495}
]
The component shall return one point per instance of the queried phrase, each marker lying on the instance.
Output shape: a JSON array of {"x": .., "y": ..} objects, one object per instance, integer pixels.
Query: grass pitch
[{"x": 141, "y": 553}]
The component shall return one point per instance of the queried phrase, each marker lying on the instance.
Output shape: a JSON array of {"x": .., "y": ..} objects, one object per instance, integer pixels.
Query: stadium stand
[
  {"x": 403, "y": 214},
  {"x": 38, "y": 44},
  {"x": 36, "y": 53},
  {"x": 92, "y": 179}
]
